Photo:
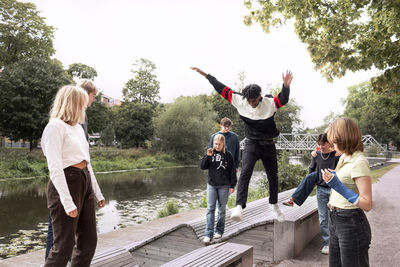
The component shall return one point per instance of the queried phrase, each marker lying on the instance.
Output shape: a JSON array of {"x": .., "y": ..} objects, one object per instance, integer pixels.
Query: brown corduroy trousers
[{"x": 73, "y": 236}]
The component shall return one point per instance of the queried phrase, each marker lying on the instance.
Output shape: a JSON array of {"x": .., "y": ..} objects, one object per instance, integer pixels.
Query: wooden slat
[
  {"x": 215, "y": 255},
  {"x": 114, "y": 258}
]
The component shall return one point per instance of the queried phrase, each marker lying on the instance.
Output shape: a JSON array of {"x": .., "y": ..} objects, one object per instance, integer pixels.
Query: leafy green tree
[
  {"x": 27, "y": 89},
  {"x": 341, "y": 35},
  {"x": 23, "y": 33},
  {"x": 185, "y": 127},
  {"x": 144, "y": 86},
  {"x": 289, "y": 175},
  {"x": 377, "y": 114},
  {"x": 99, "y": 115},
  {"x": 82, "y": 71},
  {"x": 133, "y": 123},
  {"x": 107, "y": 135},
  {"x": 224, "y": 109}
]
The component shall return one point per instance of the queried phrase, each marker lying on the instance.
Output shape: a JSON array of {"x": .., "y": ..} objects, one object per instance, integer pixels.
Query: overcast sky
[{"x": 178, "y": 34}]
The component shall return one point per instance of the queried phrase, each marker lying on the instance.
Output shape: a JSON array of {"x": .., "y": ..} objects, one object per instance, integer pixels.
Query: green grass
[
  {"x": 20, "y": 162},
  {"x": 171, "y": 207},
  {"x": 378, "y": 173}
]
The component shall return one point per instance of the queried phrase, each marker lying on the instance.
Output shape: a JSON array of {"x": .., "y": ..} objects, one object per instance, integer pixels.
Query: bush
[
  {"x": 203, "y": 201},
  {"x": 289, "y": 176},
  {"x": 184, "y": 128},
  {"x": 372, "y": 150},
  {"x": 171, "y": 207}
]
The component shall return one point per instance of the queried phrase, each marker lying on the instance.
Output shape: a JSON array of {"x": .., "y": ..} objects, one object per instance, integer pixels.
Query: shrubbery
[{"x": 171, "y": 207}]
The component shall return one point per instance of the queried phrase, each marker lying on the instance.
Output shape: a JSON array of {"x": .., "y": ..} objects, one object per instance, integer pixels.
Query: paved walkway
[{"x": 384, "y": 219}]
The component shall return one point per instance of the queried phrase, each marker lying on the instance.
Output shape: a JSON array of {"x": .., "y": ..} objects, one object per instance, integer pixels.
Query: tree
[
  {"x": 377, "y": 114},
  {"x": 133, "y": 123},
  {"x": 224, "y": 109},
  {"x": 27, "y": 89},
  {"x": 144, "y": 86},
  {"x": 23, "y": 33},
  {"x": 342, "y": 35},
  {"x": 82, "y": 71},
  {"x": 185, "y": 127},
  {"x": 99, "y": 115},
  {"x": 107, "y": 135}
]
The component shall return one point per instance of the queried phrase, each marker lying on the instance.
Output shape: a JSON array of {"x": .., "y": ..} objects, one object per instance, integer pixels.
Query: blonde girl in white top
[{"x": 71, "y": 189}]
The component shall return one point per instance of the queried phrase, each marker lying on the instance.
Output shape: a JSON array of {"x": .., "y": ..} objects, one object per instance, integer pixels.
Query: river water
[{"x": 131, "y": 198}]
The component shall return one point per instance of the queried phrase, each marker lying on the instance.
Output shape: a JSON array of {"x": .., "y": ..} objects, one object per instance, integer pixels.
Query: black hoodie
[{"x": 221, "y": 169}]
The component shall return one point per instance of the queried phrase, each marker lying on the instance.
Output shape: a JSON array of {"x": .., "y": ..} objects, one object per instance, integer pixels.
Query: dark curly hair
[{"x": 251, "y": 91}]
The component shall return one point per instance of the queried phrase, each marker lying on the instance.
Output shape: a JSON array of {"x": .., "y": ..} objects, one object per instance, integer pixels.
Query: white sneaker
[
  {"x": 206, "y": 240},
  {"x": 277, "y": 212},
  {"x": 237, "y": 213},
  {"x": 217, "y": 236},
  {"x": 325, "y": 250}
]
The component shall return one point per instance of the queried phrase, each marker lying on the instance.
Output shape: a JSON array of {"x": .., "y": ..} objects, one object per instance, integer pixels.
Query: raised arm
[
  {"x": 283, "y": 97},
  {"x": 221, "y": 88},
  {"x": 199, "y": 71},
  {"x": 287, "y": 78}
]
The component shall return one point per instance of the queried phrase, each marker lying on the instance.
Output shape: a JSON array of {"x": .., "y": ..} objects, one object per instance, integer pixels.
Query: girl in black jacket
[{"x": 221, "y": 181}]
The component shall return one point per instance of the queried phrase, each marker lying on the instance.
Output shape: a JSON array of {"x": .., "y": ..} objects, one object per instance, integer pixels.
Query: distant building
[
  {"x": 110, "y": 101},
  {"x": 5, "y": 142}
]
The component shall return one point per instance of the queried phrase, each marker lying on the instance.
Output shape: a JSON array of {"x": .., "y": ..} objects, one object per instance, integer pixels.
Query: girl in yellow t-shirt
[{"x": 350, "y": 232}]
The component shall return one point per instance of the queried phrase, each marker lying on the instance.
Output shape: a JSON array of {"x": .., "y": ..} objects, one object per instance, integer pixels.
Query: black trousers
[
  {"x": 253, "y": 151},
  {"x": 68, "y": 231},
  {"x": 350, "y": 238}
]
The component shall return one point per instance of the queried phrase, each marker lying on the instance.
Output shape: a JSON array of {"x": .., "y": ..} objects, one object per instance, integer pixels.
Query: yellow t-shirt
[{"x": 348, "y": 168}]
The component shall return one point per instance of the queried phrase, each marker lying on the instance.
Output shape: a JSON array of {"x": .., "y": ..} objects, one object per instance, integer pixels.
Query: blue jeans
[
  {"x": 214, "y": 194},
  {"x": 305, "y": 188},
  {"x": 350, "y": 237},
  {"x": 323, "y": 194},
  {"x": 49, "y": 238}
]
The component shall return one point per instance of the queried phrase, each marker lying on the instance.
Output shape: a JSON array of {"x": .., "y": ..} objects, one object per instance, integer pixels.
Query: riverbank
[
  {"x": 382, "y": 252},
  {"x": 22, "y": 164}
]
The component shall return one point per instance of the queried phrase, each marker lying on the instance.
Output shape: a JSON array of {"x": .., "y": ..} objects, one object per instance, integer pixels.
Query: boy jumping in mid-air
[{"x": 257, "y": 112}]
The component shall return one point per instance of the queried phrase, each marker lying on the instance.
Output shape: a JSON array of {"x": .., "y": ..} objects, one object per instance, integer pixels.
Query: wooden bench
[
  {"x": 119, "y": 257},
  {"x": 272, "y": 241},
  {"x": 166, "y": 246},
  {"x": 218, "y": 255}
]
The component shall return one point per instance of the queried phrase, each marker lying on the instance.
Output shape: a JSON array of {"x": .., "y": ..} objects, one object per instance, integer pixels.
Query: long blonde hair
[
  {"x": 220, "y": 137},
  {"x": 69, "y": 105}
]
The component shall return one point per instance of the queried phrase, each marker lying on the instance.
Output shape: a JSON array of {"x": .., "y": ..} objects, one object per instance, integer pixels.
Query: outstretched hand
[
  {"x": 199, "y": 71},
  {"x": 287, "y": 78}
]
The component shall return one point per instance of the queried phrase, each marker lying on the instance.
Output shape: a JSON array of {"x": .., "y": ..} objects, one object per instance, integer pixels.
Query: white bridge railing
[{"x": 309, "y": 142}]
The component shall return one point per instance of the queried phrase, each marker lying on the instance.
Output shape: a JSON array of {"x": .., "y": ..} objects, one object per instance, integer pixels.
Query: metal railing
[{"x": 309, "y": 142}]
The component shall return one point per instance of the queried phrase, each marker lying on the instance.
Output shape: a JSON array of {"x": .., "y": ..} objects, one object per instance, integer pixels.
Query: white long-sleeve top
[{"x": 65, "y": 145}]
